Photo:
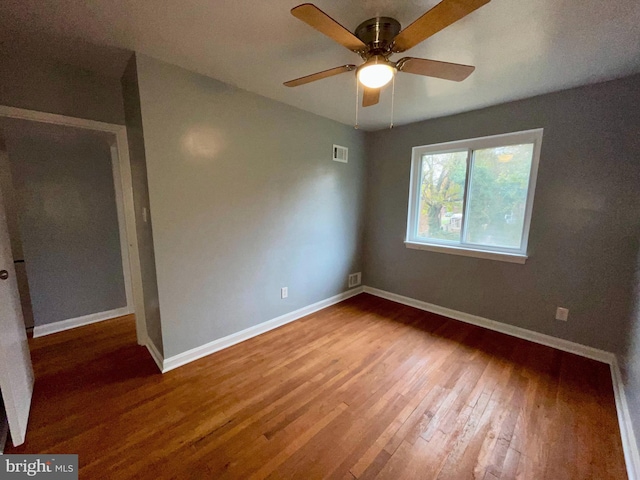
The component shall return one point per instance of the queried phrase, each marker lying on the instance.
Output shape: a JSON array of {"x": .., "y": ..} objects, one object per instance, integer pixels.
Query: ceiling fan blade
[
  {"x": 370, "y": 97},
  {"x": 313, "y": 16},
  {"x": 434, "y": 68},
  {"x": 441, "y": 16},
  {"x": 320, "y": 75}
]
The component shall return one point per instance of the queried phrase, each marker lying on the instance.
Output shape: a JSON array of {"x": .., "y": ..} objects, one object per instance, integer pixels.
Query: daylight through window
[{"x": 474, "y": 197}]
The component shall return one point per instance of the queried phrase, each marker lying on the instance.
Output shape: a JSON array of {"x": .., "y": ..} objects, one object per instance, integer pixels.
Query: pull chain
[
  {"x": 393, "y": 94},
  {"x": 356, "y": 126}
]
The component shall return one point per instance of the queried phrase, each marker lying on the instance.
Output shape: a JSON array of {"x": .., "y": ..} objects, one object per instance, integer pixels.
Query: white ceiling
[{"x": 520, "y": 47}]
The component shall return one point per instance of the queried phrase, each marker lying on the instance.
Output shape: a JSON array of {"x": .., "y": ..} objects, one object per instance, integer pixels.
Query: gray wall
[
  {"x": 631, "y": 360},
  {"x": 58, "y": 88},
  {"x": 144, "y": 231},
  {"x": 68, "y": 219},
  {"x": 584, "y": 229},
  {"x": 11, "y": 213},
  {"x": 245, "y": 199},
  {"x": 10, "y": 207}
]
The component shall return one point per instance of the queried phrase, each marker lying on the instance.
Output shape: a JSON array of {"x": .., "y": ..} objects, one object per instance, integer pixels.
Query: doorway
[{"x": 97, "y": 264}]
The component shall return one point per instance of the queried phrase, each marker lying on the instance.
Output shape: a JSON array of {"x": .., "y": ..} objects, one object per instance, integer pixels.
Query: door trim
[
  {"x": 122, "y": 225},
  {"x": 124, "y": 201}
]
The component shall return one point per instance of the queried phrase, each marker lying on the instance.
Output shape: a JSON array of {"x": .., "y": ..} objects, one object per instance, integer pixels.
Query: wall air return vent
[{"x": 340, "y": 154}]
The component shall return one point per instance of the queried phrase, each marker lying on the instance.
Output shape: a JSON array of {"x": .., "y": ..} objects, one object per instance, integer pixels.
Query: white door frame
[
  {"x": 124, "y": 202},
  {"x": 122, "y": 223}
]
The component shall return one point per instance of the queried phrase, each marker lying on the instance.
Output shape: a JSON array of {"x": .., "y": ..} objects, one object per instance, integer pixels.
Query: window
[{"x": 474, "y": 197}]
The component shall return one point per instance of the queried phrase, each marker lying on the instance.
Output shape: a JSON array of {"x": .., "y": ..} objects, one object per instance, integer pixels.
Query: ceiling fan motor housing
[{"x": 378, "y": 34}]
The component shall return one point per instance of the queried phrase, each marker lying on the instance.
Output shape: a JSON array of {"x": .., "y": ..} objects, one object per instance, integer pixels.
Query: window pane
[
  {"x": 441, "y": 195},
  {"x": 498, "y": 195}
]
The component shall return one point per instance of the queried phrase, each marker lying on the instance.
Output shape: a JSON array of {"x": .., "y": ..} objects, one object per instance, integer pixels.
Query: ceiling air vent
[{"x": 340, "y": 154}]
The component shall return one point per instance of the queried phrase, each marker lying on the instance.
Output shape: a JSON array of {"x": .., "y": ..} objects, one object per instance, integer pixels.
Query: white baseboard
[
  {"x": 155, "y": 354},
  {"x": 519, "y": 332},
  {"x": 222, "y": 343},
  {"x": 55, "y": 327},
  {"x": 629, "y": 444}
]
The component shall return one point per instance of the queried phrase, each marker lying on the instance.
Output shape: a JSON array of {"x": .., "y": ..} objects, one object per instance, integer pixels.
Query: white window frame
[{"x": 514, "y": 255}]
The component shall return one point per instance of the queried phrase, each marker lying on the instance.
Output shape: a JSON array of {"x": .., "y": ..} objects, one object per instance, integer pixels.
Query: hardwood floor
[{"x": 364, "y": 389}]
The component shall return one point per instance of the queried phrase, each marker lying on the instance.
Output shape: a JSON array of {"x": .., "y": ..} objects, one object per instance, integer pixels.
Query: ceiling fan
[{"x": 376, "y": 39}]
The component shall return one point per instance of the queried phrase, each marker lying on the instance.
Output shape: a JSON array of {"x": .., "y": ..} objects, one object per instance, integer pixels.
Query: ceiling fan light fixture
[{"x": 376, "y": 72}]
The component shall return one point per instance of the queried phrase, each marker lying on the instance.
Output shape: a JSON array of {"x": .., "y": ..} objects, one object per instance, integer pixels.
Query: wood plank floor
[{"x": 364, "y": 389}]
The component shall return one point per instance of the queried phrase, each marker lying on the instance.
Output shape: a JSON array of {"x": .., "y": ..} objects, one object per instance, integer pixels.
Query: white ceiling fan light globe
[
  {"x": 375, "y": 76},
  {"x": 376, "y": 73}
]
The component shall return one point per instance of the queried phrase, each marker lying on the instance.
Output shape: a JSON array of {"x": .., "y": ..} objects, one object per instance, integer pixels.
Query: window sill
[{"x": 467, "y": 252}]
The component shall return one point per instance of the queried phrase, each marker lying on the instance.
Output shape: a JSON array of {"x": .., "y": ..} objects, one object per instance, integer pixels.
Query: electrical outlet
[
  {"x": 355, "y": 279},
  {"x": 284, "y": 292},
  {"x": 562, "y": 314}
]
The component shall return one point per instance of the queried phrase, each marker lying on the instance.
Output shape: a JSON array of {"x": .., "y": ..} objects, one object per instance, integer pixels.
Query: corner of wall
[{"x": 137, "y": 155}]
